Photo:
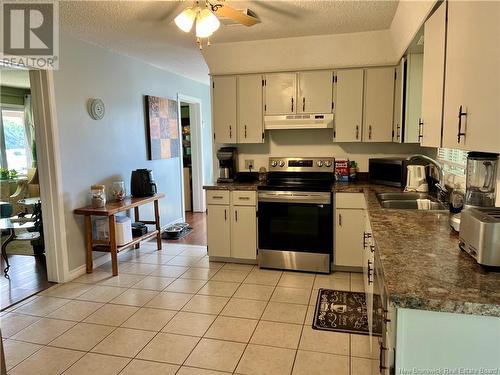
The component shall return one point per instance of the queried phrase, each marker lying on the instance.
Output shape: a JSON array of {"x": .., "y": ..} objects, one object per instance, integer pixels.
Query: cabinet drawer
[
  {"x": 350, "y": 200},
  {"x": 244, "y": 198},
  {"x": 218, "y": 197}
]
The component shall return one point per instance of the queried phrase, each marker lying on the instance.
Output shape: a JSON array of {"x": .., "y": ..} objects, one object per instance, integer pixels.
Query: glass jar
[
  {"x": 98, "y": 196},
  {"x": 118, "y": 190}
]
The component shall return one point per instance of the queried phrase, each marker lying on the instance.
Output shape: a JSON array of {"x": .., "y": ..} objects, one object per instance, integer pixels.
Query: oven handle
[{"x": 295, "y": 198}]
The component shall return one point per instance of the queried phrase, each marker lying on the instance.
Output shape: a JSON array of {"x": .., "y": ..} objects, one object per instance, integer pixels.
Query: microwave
[{"x": 388, "y": 171}]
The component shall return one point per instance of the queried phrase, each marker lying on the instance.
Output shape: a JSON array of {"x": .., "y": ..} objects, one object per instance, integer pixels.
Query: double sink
[{"x": 408, "y": 201}]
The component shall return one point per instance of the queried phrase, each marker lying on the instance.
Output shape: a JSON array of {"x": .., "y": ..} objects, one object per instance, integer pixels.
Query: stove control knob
[
  {"x": 328, "y": 163},
  {"x": 319, "y": 163},
  {"x": 274, "y": 163},
  {"x": 282, "y": 163}
]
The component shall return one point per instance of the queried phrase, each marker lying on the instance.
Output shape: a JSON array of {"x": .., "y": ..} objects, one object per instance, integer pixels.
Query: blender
[{"x": 481, "y": 179}]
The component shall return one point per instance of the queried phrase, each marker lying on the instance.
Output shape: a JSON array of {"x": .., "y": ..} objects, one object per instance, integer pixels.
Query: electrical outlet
[{"x": 248, "y": 164}]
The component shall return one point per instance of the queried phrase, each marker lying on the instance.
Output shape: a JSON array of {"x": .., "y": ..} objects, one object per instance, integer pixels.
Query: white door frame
[
  {"x": 198, "y": 177},
  {"x": 49, "y": 164}
]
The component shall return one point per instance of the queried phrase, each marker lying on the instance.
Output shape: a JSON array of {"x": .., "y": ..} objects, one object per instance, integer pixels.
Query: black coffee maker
[{"x": 142, "y": 183}]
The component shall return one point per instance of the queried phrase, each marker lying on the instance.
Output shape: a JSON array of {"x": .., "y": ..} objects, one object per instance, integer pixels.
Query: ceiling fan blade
[{"x": 247, "y": 19}]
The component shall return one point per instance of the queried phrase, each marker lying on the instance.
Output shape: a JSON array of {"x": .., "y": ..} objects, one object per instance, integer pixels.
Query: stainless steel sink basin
[{"x": 408, "y": 201}]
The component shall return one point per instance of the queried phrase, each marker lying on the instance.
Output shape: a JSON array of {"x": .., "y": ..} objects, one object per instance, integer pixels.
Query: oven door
[{"x": 295, "y": 230}]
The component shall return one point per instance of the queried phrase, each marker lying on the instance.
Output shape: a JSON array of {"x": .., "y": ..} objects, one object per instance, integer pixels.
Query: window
[
  {"x": 15, "y": 139},
  {"x": 454, "y": 161}
]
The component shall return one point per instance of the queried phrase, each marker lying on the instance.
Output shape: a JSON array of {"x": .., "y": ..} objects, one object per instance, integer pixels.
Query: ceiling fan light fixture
[
  {"x": 206, "y": 23},
  {"x": 185, "y": 20}
]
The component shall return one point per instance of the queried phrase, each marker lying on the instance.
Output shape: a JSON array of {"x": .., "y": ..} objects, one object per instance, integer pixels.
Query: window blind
[{"x": 454, "y": 161}]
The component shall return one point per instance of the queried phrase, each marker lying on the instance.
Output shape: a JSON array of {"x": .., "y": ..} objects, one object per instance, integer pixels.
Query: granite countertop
[{"x": 233, "y": 186}]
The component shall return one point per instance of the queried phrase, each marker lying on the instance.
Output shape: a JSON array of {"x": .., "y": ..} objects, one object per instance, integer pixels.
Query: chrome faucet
[{"x": 442, "y": 191}]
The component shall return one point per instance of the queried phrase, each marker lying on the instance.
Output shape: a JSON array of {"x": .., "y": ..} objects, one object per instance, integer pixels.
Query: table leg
[
  {"x": 136, "y": 218},
  {"x": 88, "y": 242},
  {"x": 11, "y": 237},
  {"x": 157, "y": 223},
  {"x": 112, "y": 244}
]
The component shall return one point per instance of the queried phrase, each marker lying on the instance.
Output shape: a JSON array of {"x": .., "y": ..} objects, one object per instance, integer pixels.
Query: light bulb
[
  {"x": 185, "y": 20},
  {"x": 206, "y": 23}
]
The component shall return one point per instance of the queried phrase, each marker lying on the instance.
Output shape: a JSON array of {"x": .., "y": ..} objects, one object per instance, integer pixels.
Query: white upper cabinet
[
  {"x": 224, "y": 109},
  {"x": 348, "y": 105},
  {"x": 379, "y": 101},
  {"x": 472, "y": 85},
  {"x": 397, "y": 121},
  {"x": 250, "y": 109},
  {"x": 315, "y": 92},
  {"x": 280, "y": 93},
  {"x": 413, "y": 112},
  {"x": 433, "y": 78}
]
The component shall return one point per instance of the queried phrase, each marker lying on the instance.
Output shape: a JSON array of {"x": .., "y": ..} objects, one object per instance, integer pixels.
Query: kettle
[
  {"x": 142, "y": 183},
  {"x": 416, "y": 179}
]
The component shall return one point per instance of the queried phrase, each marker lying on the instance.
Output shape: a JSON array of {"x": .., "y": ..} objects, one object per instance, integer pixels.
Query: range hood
[{"x": 302, "y": 121}]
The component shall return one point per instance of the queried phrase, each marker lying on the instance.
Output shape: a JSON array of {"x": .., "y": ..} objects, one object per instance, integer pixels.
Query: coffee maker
[
  {"x": 228, "y": 164},
  {"x": 481, "y": 179}
]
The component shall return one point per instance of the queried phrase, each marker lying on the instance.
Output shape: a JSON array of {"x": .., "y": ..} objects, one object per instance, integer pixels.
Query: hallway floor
[
  {"x": 174, "y": 312},
  {"x": 198, "y": 236}
]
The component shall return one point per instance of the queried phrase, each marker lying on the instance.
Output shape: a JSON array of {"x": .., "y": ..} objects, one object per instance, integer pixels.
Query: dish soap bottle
[{"x": 353, "y": 171}]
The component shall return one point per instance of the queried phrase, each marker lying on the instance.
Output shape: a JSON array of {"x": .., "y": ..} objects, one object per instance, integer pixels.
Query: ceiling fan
[{"x": 208, "y": 16}]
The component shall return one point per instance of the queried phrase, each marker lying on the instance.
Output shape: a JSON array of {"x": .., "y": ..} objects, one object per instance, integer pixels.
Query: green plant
[
  {"x": 12, "y": 173},
  {"x": 4, "y": 174}
]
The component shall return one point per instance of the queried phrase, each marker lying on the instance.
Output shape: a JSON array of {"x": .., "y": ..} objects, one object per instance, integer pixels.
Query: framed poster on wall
[{"x": 163, "y": 128}]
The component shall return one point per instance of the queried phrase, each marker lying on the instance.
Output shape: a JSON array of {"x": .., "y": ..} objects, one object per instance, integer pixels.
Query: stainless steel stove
[{"x": 295, "y": 215}]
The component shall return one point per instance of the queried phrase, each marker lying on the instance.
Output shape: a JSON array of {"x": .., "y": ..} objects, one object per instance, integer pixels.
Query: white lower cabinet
[{"x": 232, "y": 225}]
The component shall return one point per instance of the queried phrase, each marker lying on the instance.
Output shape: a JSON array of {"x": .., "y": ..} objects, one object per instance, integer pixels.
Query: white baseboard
[{"x": 99, "y": 261}]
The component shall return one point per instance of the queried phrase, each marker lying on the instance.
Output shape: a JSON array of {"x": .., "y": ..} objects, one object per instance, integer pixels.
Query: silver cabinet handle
[
  {"x": 357, "y": 131},
  {"x": 461, "y": 114},
  {"x": 398, "y": 127},
  {"x": 420, "y": 129},
  {"x": 340, "y": 220},
  {"x": 236, "y": 215},
  {"x": 292, "y": 103},
  {"x": 370, "y": 132},
  {"x": 225, "y": 215},
  {"x": 245, "y": 131},
  {"x": 304, "y": 104},
  {"x": 230, "y": 132},
  {"x": 244, "y": 198},
  {"x": 217, "y": 197}
]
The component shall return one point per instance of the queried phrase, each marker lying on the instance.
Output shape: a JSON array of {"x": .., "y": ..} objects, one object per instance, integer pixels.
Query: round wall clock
[{"x": 96, "y": 109}]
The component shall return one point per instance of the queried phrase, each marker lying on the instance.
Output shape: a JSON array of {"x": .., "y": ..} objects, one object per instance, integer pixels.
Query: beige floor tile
[
  {"x": 244, "y": 308},
  {"x": 166, "y": 347},
  {"x": 111, "y": 315},
  {"x": 138, "y": 268},
  {"x": 285, "y": 312},
  {"x": 364, "y": 366},
  {"x": 263, "y": 277},
  {"x": 238, "y": 267},
  {"x": 155, "y": 258},
  {"x": 283, "y": 335},
  {"x": 101, "y": 293},
  {"x": 216, "y": 355},
  {"x": 190, "y": 324},
  {"x": 219, "y": 288},
  {"x": 124, "y": 342},
  {"x": 312, "y": 363},
  {"x": 360, "y": 346},
  {"x": 43, "y": 331},
  {"x": 324, "y": 341},
  {"x": 198, "y": 251},
  {"x": 83, "y": 336},
  {"x": 12, "y": 323},
  {"x": 199, "y": 273},
  {"x": 206, "y": 304},
  {"x": 310, "y": 314},
  {"x": 253, "y": 291},
  {"x": 230, "y": 275},
  {"x": 123, "y": 280},
  {"x": 47, "y": 361},
  {"x": 154, "y": 283},
  {"x": 185, "y": 286},
  {"x": 296, "y": 280},
  {"x": 169, "y": 300},
  {"x": 135, "y": 297},
  {"x": 314, "y": 297},
  {"x": 140, "y": 367},
  {"x": 169, "y": 271},
  {"x": 92, "y": 363},
  {"x": 170, "y": 249},
  {"x": 332, "y": 282},
  {"x": 66, "y": 290},
  {"x": 186, "y": 370},
  {"x": 205, "y": 263},
  {"x": 92, "y": 278},
  {"x": 264, "y": 360},
  {"x": 18, "y": 351},
  {"x": 149, "y": 319},
  {"x": 184, "y": 261},
  {"x": 231, "y": 329},
  {"x": 75, "y": 310},
  {"x": 41, "y": 306},
  {"x": 291, "y": 295}
]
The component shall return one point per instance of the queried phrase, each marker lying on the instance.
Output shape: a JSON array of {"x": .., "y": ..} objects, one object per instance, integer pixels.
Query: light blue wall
[{"x": 107, "y": 150}]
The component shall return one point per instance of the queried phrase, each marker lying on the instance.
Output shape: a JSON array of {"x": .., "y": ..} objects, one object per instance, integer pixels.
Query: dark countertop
[{"x": 233, "y": 186}]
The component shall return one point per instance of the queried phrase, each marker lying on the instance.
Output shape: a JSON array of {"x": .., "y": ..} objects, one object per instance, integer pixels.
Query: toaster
[{"x": 480, "y": 234}]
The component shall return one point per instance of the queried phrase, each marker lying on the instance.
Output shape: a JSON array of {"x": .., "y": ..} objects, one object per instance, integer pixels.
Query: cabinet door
[
  {"x": 379, "y": 101},
  {"x": 218, "y": 231},
  {"x": 250, "y": 103},
  {"x": 397, "y": 122},
  {"x": 315, "y": 92},
  {"x": 281, "y": 89},
  {"x": 349, "y": 105},
  {"x": 413, "y": 111},
  {"x": 433, "y": 77},
  {"x": 224, "y": 109},
  {"x": 472, "y": 81},
  {"x": 243, "y": 232},
  {"x": 349, "y": 230}
]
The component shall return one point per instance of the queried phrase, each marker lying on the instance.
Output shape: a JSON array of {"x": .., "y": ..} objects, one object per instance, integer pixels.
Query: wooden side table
[{"x": 110, "y": 210}]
